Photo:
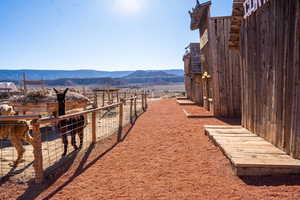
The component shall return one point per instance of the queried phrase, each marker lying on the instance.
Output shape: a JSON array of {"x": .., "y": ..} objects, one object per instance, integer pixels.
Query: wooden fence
[{"x": 126, "y": 112}]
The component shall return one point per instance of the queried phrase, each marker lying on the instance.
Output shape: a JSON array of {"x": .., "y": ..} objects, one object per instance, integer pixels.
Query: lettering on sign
[
  {"x": 204, "y": 39},
  {"x": 250, "y": 6}
]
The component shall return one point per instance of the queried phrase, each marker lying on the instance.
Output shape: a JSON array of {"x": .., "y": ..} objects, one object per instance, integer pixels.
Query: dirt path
[{"x": 165, "y": 156}]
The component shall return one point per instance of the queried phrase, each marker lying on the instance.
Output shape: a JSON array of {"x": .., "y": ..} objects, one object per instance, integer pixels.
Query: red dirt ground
[{"x": 165, "y": 156}]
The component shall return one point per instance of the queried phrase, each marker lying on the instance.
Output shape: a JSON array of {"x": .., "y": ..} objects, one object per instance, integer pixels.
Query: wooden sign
[
  {"x": 204, "y": 39},
  {"x": 250, "y": 6}
]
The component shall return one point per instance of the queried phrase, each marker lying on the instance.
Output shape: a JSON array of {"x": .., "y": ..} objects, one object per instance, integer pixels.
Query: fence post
[
  {"x": 131, "y": 102},
  {"x": 37, "y": 152},
  {"x": 143, "y": 102},
  {"x": 95, "y": 100},
  {"x": 120, "y": 120},
  {"x": 94, "y": 127},
  {"x": 103, "y": 98},
  {"x": 135, "y": 113},
  {"x": 109, "y": 97},
  {"x": 146, "y": 102}
]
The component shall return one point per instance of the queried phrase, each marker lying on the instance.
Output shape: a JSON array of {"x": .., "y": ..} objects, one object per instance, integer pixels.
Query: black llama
[{"x": 71, "y": 126}]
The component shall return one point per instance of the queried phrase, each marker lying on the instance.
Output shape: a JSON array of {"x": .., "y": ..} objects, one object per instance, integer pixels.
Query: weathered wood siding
[
  {"x": 271, "y": 74},
  {"x": 188, "y": 86},
  {"x": 192, "y": 69},
  {"x": 220, "y": 66},
  {"x": 225, "y": 69},
  {"x": 207, "y": 83},
  {"x": 187, "y": 77},
  {"x": 197, "y": 89}
]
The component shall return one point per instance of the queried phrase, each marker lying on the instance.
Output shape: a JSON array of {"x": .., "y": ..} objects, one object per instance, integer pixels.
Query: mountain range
[
  {"x": 92, "y": 78},
  {"x": 15, "y": 75}
]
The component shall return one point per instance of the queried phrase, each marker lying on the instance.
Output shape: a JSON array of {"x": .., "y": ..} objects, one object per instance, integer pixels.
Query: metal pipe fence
[{"x": 51, "y": 145}]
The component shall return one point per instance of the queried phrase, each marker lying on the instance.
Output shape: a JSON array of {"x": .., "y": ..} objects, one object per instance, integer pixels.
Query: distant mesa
[{"x": 149, "y": 74}]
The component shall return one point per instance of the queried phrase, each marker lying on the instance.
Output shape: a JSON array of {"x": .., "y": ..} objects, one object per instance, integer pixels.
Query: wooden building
[
  {"x": 221, "y": 66},
  {"x": 193, "y": 73},
  {"x": 267, "y": 36}
]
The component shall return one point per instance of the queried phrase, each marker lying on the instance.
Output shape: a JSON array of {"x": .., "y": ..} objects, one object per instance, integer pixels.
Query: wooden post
[
  {"x": 135, "y": 113},
  {"x": 120, "y": 120},
  {"x": 131, "y": 104},
  {"x": 143, "y": 106},
  {"x": 95, "y": 100},
  {"x": 118, "y": 97},
  {"x": 108, "y": 94},
  {"x": 37, "y": 152},
  {"x": 103, "y": 98},
  {"x": 146, "y": 102},
  {"x": 24, "y": 83},
  {"x": 94, "y": 127}
]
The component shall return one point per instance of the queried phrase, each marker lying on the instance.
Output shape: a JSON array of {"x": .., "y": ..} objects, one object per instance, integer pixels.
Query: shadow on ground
[
  {"x": 230, "y": 121},
  {"x": 288, "y": 180},
  {"x": 102, "y": 148}
]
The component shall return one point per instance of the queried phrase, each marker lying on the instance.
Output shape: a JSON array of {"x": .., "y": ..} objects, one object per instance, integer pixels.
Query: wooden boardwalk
[
  {"x": 185, "y": 102},
  {"x": 182, "y": 98},
  {"x": 250, "y": 154}
]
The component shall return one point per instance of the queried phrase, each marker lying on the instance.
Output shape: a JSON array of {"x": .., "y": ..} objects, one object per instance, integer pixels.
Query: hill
[
  {"x": 148, "y": 74},
  {"x": 152, "y": 78}
]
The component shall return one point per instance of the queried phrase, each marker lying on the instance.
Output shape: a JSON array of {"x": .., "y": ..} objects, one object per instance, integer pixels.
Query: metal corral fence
[{"x": 45, "y": 146}]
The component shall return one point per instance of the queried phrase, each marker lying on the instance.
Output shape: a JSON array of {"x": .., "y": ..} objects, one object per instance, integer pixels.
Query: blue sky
[{"x": 97, "y": 34}]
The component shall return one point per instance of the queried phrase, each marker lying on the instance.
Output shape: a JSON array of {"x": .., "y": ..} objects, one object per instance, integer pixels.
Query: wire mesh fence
[{"x": 53, "y": 140}]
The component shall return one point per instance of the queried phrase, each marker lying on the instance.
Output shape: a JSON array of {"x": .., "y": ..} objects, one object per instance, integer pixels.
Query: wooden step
[
  {"x": 249, "y": 154},
  {"x": 181, "y": 98}
]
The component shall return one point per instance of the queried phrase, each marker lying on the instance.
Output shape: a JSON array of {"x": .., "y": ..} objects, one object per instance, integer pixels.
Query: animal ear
[
  {"x": 55, "y": 90},
  {"x": 66, "y": 90}
]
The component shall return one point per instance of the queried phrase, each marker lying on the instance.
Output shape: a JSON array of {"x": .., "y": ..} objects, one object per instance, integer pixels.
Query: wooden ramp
[
  {"x": 185, "y": 102},
  {"x": 249, "y": 154}
]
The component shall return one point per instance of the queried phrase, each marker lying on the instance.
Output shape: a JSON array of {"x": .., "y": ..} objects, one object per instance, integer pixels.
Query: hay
[{"x": 41, "y": 97}]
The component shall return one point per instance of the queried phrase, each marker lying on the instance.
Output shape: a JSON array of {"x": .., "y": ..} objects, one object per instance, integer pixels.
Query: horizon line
[{"x": 44, "y": 69}]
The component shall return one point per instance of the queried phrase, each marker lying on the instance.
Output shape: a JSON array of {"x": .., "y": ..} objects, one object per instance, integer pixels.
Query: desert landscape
[{"x": 150, "y": 100}]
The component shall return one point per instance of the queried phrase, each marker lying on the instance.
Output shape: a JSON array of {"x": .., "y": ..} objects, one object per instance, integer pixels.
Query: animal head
[
  {"x": 6, "y": 110},
  {"x": 61, "y": 95}
]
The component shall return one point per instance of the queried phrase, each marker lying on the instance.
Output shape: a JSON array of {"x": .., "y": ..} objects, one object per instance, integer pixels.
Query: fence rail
[{"x": 91, "y": 126}]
